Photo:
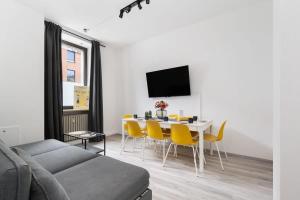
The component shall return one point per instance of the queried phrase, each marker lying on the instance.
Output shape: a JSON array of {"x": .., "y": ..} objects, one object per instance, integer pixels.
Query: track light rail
[{"x": 128, "y": 8}]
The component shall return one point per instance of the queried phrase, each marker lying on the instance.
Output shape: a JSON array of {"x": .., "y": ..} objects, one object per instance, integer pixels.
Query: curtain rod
[{"x": 81, "y": 36}]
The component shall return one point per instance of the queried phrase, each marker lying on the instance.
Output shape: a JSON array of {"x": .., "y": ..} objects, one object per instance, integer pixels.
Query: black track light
[
  {"x": 128, "y": 9},
  {"x": 121, "y": 13},
  {"x": 139, "y": 5}
]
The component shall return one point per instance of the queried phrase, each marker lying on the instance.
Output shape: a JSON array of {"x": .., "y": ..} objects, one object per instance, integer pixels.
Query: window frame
[{"x": 85, "y": 65}]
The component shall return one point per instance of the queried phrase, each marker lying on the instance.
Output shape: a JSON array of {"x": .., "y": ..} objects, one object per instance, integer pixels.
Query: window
[
  {"x": 74, "y": 72},
  {"x": 70, "y": 56},
  {"x": 70, "y": 75}
]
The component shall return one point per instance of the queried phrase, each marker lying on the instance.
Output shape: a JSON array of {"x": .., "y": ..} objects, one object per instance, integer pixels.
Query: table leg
[
  {"x": 123, "y": 138},
  {"x": 201, "y": 143},
  {"x": 104, "y": 145},
  {"x": 85, "y": 144}
]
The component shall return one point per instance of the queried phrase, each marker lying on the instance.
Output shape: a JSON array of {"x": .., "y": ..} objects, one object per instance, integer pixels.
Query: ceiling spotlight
[
  {"x": 139, "y": 5},
  {"x": 121, "y": 13},
  {"x": 128, "y": 9}
]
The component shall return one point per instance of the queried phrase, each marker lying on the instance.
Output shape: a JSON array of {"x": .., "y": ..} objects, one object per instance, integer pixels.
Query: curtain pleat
[
  {"x": 53, "y": 82},
  {"x": 95, "y": 117}
]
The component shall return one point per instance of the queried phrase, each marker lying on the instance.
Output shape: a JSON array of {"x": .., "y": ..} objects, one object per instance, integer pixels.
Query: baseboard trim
[
  {"x": 229, "y": 154},
  {"x": 243, "y": 156}
]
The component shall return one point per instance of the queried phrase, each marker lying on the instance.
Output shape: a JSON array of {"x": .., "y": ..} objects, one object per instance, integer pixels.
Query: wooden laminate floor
[{"x": 243, "y": 178}]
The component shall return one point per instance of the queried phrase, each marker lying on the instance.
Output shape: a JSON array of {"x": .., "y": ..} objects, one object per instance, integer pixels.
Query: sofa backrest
[{"x": 15, "y": 175}]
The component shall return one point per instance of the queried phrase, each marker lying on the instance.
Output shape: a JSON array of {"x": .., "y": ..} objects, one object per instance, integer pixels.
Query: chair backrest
[
  {"x": 154, "y": 130},
  {"x": 174, "y": 117},
  {"x": 179, "y": 118},
  {"x": 134, "y": 128},
  {"x": 181, "y": 135},
  {"x": 126, "y": 116},
  {"x": 221, "y": 131}
]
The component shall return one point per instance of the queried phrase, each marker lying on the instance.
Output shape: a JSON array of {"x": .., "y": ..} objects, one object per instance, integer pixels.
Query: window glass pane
[
  {"x": 70, "y": 75},
  {"x": 73, "y": 73},
  {"x": 70, "y": 56}
]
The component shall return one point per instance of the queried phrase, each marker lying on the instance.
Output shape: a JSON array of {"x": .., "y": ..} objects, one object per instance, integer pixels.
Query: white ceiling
[{"x": 101, "y": 16}]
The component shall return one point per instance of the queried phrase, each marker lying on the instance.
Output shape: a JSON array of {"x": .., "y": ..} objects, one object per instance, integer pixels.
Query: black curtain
[
  {"x": 53, "y": 82},
  {"x": 95, "y": 117}
]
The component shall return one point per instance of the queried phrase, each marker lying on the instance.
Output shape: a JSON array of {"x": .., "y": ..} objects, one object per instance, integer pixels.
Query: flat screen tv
[{"x": 169, "y": 82}]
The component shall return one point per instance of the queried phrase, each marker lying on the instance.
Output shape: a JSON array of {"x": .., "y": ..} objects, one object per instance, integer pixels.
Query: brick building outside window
[{"x": 71, "y": 64}]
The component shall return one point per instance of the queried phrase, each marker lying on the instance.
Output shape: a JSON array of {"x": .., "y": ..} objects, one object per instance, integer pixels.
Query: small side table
[{"x": 84, "y": 136}]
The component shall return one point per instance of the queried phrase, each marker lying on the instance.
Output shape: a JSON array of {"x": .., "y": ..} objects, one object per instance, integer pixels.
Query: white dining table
[{"x": 200, "y": 126}]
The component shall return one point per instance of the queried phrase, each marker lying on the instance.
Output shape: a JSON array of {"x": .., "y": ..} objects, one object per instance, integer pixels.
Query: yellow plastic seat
[
  {"x": 135, "y": 132},
  {"x": 179, "y": 118},
  {"x": 212, "y": 138},
  {"x": 181, "y": 135},
  {"x": 127, "y": 116},
  {"x": 194, "y": 134},
  {"x": 174, "y": 117},
  {"x": 134, "y": 129},
  {"x": 156, "y": 133}
]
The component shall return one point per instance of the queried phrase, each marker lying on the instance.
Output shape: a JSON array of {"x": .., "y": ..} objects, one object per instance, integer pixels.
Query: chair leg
[
  {"x": 219, "y": 155},
  {"x": 144, "y": 147},
  {"x": 195, "y": 160},
  {"x": 164, "y": 161},
  {"x": 211, "y": 149},
  {"x": 224, "y": 151},
  {"x": 175, "y": 150},
  {"x": 125, "y": 143},
  {"x": 174, "y": 153},
  {"x": 133, "y": 144},
  {"x": 164, "y": 149}
]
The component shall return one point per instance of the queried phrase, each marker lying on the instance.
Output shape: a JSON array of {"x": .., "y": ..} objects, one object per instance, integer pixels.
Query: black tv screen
[{"x": 169, "y": 82}]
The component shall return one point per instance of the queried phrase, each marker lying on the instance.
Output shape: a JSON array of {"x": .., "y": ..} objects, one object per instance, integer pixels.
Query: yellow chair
[
  {"x": 214, "y": 139},
  {"x": 179, "y": 118},
  {"x": 181, "y": 135},
  {"x": 174, "y": 117},
  {"x": 135, "y": 132},
  {"x": 156, "y": 133},
  {"x": 127, "y": 116}
]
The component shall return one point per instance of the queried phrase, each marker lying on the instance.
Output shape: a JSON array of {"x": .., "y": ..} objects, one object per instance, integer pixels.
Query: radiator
[{"x": 75, "y": 122}]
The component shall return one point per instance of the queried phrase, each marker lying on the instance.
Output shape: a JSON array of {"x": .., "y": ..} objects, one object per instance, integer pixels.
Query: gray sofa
[{"x": 54, "y": 170}]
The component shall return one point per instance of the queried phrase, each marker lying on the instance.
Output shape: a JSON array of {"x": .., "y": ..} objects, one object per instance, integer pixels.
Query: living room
[{"x": 69, "y": 67}]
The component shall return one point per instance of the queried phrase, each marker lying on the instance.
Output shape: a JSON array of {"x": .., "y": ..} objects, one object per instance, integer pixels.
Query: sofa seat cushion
[
  {"x": 104, "y": 178},
  {"x": 44, "y": 185},
  {"x": 44, "y": 146},
  {"x": 63, "y": 158},
  {"x": 15, "y": 175}
]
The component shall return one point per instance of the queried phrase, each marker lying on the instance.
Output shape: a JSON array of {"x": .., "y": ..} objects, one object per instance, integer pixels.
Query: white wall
[
  {"x": 22, "y": 71},
  {"x": 287, "y": 111},
  {"x": 230, "y": 59},
  {"x": 112, "y": 89}
]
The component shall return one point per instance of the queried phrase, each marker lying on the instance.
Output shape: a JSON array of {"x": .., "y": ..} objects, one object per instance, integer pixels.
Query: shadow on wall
[{"x": 239, "y": 143}]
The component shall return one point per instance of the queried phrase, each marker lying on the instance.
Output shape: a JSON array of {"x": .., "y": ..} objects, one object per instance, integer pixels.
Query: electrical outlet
[{"x": 10, "y": 135}]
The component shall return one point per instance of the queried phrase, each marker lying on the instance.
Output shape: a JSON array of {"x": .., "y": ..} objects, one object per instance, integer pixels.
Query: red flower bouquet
[{"x": 161, "y": 105}]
